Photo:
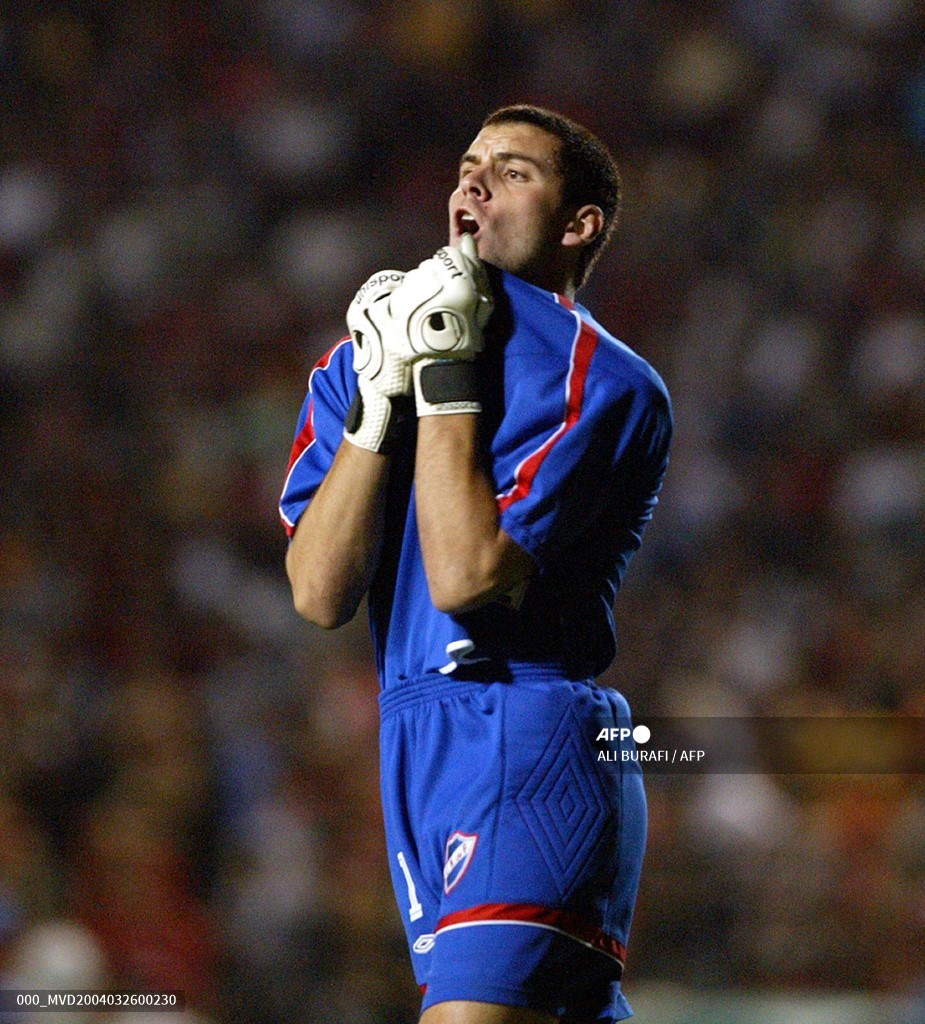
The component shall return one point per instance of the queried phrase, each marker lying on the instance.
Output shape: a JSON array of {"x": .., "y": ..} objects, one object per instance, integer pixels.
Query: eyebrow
[{"x": 506, "y": 155}]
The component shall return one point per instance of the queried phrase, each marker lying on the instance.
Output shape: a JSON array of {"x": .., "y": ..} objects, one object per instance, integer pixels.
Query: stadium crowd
[{"x": 190, "y": 194}]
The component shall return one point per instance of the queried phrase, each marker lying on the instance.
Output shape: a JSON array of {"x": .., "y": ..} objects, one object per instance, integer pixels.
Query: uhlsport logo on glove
[
  {"x": 444, "y": 304},
  {"x": 372, "y": 422},
  {"x": 447, "y": 260},
  {"x": 367, "y": 321},
  {"x": 387, "y": 280}
]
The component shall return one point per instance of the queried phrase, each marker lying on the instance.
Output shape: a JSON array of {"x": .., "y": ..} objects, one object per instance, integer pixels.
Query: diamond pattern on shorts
[{"x": 564, "y": 805}]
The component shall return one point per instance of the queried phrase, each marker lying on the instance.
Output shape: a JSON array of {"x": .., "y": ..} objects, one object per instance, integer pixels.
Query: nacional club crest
[{"x": 459, "y": 850}]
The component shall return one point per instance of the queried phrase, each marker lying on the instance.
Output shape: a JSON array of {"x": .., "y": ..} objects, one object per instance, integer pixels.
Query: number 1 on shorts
[{"x": 415, "y": 910}]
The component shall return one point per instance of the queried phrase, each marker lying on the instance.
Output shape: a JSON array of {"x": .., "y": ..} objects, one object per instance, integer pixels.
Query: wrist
[
  {"x": 374, "y": 420},
  {"x": 445, "y": 387}
]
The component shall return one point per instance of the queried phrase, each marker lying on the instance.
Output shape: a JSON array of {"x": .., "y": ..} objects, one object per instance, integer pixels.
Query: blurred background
[{"x": 190, "y": 193}]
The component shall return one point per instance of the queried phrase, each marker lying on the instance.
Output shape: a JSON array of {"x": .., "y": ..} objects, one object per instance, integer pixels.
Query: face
[{"x": 509, "y": 197}]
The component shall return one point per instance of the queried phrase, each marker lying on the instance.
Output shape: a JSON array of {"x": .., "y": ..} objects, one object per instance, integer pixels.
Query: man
[{"x": 481, "y": 457}]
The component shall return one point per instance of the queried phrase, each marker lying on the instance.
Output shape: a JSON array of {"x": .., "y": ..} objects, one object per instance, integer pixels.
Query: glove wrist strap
[
  {"x": 374, "y": 421},
  {"x": 446, "y": 386}
]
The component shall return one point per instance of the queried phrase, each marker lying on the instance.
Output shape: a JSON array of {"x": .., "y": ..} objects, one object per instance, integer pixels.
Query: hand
[
  {"x": 383, "y": 376},
  {"x": 444, "y": 304}
]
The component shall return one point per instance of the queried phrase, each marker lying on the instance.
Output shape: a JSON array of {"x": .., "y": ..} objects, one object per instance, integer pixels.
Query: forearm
[
  {"x": 335, "y": 549},
  {"x": 468, "y": 558}
]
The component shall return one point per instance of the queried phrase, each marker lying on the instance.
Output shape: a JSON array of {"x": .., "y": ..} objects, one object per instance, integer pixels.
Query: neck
[{"x": 548, "y": 280}]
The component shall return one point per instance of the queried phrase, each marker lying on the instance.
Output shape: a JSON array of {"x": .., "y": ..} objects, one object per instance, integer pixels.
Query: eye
[{"x": 515, "y": 175}]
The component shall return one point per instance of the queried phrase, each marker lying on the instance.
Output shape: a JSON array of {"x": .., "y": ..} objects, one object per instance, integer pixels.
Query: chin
[{"x": 496, "y": 259}]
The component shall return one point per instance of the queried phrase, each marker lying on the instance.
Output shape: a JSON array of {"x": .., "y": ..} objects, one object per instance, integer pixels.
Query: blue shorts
[{"x": 515, "y": 840}]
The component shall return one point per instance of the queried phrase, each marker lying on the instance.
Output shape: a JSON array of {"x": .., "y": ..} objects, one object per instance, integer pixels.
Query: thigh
[{"x": 467, "y": 1012}]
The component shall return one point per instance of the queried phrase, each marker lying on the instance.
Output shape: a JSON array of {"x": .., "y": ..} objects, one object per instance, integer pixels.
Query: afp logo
[{"x": 459, "y": 850}]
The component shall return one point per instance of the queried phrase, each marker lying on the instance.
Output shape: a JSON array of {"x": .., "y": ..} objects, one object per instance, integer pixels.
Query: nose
[{"x": 473, "y": 183}]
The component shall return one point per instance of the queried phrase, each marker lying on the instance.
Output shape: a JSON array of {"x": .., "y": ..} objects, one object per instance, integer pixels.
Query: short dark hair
[{"x": 589, "y": 172}]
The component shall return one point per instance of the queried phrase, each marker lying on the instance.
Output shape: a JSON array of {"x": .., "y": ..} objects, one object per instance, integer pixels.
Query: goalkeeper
[{"x": 481, "y": 457}]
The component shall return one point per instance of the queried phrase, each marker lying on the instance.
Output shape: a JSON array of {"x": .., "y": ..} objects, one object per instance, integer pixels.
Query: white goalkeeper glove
[
  {"x": 441, "y": 309},
  {"x": 384, "y": 380}
]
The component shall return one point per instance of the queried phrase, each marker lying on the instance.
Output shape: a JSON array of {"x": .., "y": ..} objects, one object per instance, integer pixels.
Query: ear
[{"x": 583, "y": 226}]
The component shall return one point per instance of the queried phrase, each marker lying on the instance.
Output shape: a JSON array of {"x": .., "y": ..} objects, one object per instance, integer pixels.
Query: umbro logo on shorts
[
  {"x": 424, "y": 943},
  {"x": 459, "y": 850}
]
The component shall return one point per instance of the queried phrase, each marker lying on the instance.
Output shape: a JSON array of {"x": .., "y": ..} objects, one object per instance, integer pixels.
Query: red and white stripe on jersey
[
  {"x": 306, "y": 436},
  {"x": 583, "y": 347},
  {"x": 528, "y": 915}
]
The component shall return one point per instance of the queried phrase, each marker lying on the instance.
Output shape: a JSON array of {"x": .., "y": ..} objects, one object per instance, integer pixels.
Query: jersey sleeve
[
  {"x": 607, "y": 456},
  {"x": 319, "y": 431}
]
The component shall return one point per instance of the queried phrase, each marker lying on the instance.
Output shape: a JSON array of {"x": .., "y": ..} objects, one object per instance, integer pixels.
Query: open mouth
[{"x": 466, "y": 224}]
